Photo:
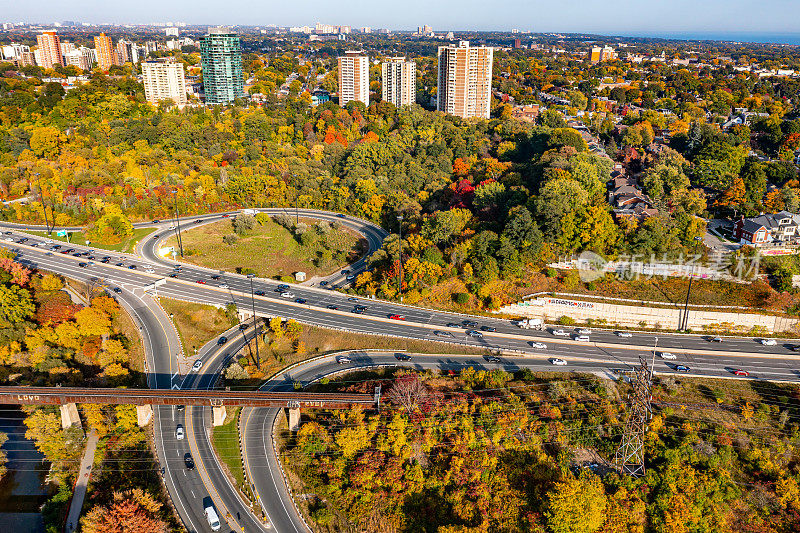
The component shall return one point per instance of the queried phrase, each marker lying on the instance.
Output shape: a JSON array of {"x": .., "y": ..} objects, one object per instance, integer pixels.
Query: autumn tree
[{"x": 577, "y": 505}]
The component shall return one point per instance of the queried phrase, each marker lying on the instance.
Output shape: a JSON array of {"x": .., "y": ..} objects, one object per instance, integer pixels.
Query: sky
[{"x": 610, "y": 17}]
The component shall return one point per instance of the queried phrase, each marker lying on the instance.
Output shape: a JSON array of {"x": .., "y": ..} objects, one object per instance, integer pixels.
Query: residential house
[{"x": 779, "y": 228}]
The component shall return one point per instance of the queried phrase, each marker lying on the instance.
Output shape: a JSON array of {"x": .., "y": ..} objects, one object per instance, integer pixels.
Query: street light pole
[
  {"x": 255, "y": 327},
  {"x": 44, "y": 207},
  {"x": 689, "y": 291},
  {"x": 400, "y": 255},
  {"x": 177, "y": 221}
]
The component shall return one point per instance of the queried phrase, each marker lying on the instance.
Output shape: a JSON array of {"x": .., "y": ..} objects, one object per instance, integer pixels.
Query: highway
[{"x": 606, "y": 354}]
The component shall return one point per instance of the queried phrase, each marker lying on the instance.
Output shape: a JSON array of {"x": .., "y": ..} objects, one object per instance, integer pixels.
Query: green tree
[{"x": 16, "y": 304}]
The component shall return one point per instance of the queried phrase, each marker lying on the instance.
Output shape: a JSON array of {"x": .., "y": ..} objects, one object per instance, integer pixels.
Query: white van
[{"x": 213, "y": 519}]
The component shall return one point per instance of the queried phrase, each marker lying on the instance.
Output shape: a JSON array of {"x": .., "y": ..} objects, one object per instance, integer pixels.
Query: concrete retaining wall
[{"x": 551, "y": 308}]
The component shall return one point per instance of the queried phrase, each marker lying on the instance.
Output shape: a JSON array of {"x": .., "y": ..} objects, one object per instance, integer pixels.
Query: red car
[
  {"x": 743, "y": 373},
  {"x": 201, "y": 282},
  {"x": 397, "y": 317}
]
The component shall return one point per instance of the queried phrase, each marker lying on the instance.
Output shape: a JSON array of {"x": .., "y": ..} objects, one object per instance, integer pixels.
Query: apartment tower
[
  {"x": 353, "y": 78},
  {"x": 465, "y": 80},
  {"x": 221, "y": 54},
  {"x": 164, "y": 80},
  {"x": 50, "y": 49},
  {"x": 399, "y": 81},
  {"x": 106, "y": 55}
]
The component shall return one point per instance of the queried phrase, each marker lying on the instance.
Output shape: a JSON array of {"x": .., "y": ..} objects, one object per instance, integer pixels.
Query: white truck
[
  {"x": 249, "y": 212},
  {"x": 529, "y": 323},
  {"x": 213, "y": 519}
]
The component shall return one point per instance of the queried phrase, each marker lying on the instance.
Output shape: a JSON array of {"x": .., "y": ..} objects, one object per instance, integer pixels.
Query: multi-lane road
[{"x": 147, "y": 271}]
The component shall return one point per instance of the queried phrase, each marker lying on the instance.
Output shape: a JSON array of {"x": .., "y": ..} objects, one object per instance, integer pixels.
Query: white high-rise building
[
  {"x": 171, "y": 32},
  {"x": 465, "y": 80},
  {"x": 353, "y": 78},
  {"x": 164, "y": 79},
  {"x": 14, "y": 51},
  {"x": 399, "y": 81},
  {"x": 82, "y": 57}
]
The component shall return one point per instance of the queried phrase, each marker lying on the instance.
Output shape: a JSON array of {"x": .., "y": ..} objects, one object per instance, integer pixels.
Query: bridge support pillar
[
  {"x": 218, "y": 415},
  {"x": 69, "y": 415},
  {"x": 293, "y": 418},
  {"x": 144, "y": 413}
]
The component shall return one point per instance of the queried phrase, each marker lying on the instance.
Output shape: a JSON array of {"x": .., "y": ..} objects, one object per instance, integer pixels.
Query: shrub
[
  {"x": 461, "y": 298},
  {"x": 565, "y": 320},
  {"x": 243, "y": 223},
  {"x": 551, "y": 272},
  {"x": 230, "y": 240}
]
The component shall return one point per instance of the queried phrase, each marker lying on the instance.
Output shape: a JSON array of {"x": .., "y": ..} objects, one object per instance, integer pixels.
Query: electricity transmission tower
[{"x": 630, "y": 454}]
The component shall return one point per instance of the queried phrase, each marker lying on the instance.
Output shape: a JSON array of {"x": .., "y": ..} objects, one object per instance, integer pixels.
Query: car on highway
[
  {"x": 180, "y": 408},
  {"x": 197, "y": 365},
  {"x": 493, "y": 359},
  {"x": 624, "y": 334},
  {"x": 223, "y": 286},
  {"x": 105, "y": 260},
  {"x": 78, "y": 254},
  {"x": 584, "y": 331},
  {"x": 343, "y": 360},
  {"x": 397, "y": 317},
  {"x": 287, "y": 294},
  {"x": 260, "y": 293},
  {"x": 188, "y": 461},
  {"x": 358, "y": 310},
  {"x": 352, "y": 299},
  {"x": 715, "y": 339},
  {"x": 243, "y": 327},
  {"x": 173, "y": 274},
  {"x": 199, "y": 220},
  {"x": 117, "y": 289},
  {"x": 83, "y": 265},
  {"x": 332, "y": 306},
  {"x": 667, "y": 355},
  {"x": 226, "y": 215},
  {"x": 222, "y": 340},
  {"x": 339, "y": 215},
  {"x": 742, "y": 373},
  {"x": 474, "y": 333},
  {"x": 156, "y": 221},
  {"x": 682, "y": 368},
  {"x": 282, "y": 287},
  {"x": 200, "y": 281},
  {"x": 768, "y": 342},
  {"x": 215, "y": 276},
  {"x": 345, "y": 271},
  {"x": 538, "y": 345},
  {"x": 132, "y": 267},
  {"x": 442, "y": 333},
  {"x": 469, "y": 323},
  {"x": 323, "y": 283},
  {"x": 559, "y": 333},
  {"x": 488, "y": 328},
  {"x": 454, "y": 325},
  {"x": 581, "y": 338},
  {"x": 179, "y": 434},
  {"x": 402, "y": 357},
  {"x": 558, "y": 362},
  {"x": 300, "y": 300},
  {"x": 117, "y": 264}
]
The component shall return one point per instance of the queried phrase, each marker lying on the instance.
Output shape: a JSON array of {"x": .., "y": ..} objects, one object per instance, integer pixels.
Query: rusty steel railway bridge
[{"x": 214, "y": 398}]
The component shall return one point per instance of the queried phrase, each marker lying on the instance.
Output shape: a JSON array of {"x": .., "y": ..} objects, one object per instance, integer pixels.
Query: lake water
[{"x": 23, "y": 489}]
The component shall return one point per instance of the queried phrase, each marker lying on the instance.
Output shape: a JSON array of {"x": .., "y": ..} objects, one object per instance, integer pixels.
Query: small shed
[{"x": 300, "y": 276}]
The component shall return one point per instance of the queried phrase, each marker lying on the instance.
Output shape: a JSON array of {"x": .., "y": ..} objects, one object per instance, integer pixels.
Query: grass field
[
  {"x": 269, "y": 250},
  {"x": 196, "y": 323},
  {"x": 78, "y": 237},
  {"x": 226, "y": 442}
]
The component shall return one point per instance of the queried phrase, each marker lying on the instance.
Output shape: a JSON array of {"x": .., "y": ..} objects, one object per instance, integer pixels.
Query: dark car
[
  {"x": 156, "y": 221},
  {"x": 260, "y": 293},
  {"x": 402, "y": 357},
  {"x": 339, "y": 215},
  {"x": 300, "y": 300},
  {"x": 493, "y": 359},
  {"x": 682, "y": 368},
  {"x": 323, "y": 283},
  {"x": 470, "y": 323},
  {"x": 77, "y": 254},
  {"x": 132, "y": 267},
  {"x": 120, "y": 264},
  {"x": 91, "y": 258},
  {"x": 454, "y": 325},
  {"x": 215, "y": 276},
  {"x": 222, "y": 340},
  {"x": 83, "y": 265},
  {"x": 117, "y": 289},
  {"x": 188, "y": 461},
  {"x": 352, "y": 299},
  {"x": 105, "y": 260},
  {"x": 358, "y": 310},
  {"x": 173, "y": 274},
  {"x": 199, "y": 220},
  {"x": 332, "y": 306},
  {"x": 488, "y": 328},
  {"x": 243, "y": 327}
]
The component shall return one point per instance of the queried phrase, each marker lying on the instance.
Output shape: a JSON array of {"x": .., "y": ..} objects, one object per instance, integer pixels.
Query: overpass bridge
[{"x": 68, "y": 397}]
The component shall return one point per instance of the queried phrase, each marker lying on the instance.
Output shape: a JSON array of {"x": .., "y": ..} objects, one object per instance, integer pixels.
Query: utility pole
[
  {"x": 177, "y": 221},
  {"x": 44, "y": 207},
  {"x": 296, "y": 202},
  {"x": 400, "y": 255},
  {"x": 689, "y": 291},
  {"x": 255, "y": 326},
  {"x": 630, "y": 454}
]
